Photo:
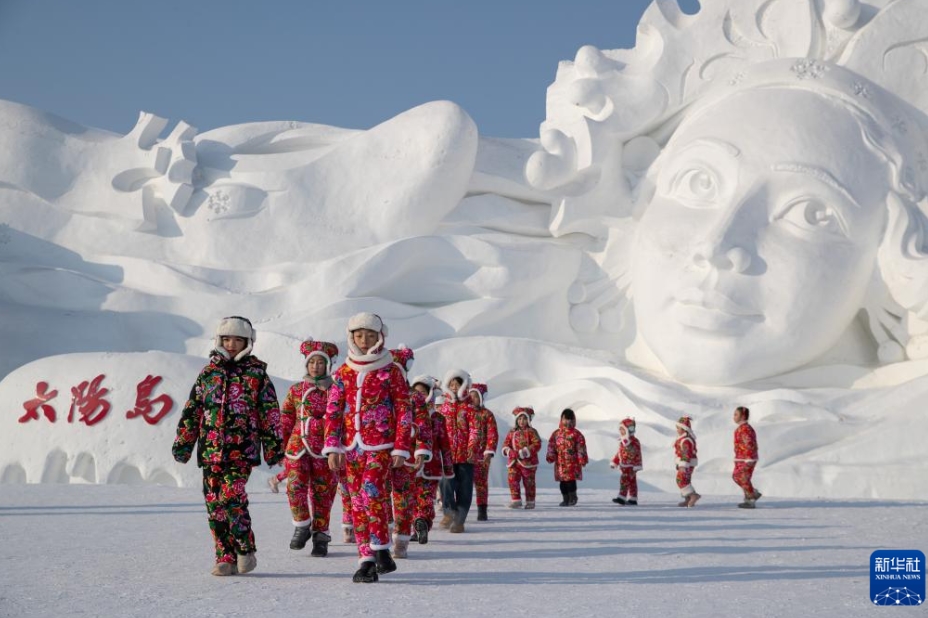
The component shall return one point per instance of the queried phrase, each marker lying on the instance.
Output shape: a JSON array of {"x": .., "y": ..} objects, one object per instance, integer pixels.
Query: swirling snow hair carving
[{"x": 609, "y": 112}]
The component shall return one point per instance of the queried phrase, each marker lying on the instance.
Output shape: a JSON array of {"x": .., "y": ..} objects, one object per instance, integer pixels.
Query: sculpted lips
[{"x": 711, "y": 310}]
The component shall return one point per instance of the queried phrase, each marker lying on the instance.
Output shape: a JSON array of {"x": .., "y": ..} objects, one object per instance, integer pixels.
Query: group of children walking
[{"x": 382, "y": 440}]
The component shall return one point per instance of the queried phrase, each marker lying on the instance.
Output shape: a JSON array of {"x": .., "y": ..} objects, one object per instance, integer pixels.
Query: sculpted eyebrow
[
  {"x": 819, "y": 174},
  {"x": 716, "y": 144}
]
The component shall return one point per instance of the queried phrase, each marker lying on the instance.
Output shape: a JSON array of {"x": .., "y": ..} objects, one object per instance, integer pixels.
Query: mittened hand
[{"x": 524, "y": 453}]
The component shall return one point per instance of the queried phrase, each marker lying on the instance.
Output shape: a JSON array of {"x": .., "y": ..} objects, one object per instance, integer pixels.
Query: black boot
[
  {"x": 619, "y": 500},
  {"x": 320, "y": 544},
  {"x": 384, "y": 561},
  {"x": 632, "y": 502},
  {"x": 367, "y": 574},
  {"x": 566, "y": 500},
  {"x": 572, "y": 499},
  {"x": 300, "y": 536},
  {"x": 481, "y": 512},
  {"x": 422, "y": 531}
]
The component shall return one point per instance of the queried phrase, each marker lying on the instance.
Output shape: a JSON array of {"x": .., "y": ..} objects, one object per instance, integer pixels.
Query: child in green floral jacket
[{"x": 232, "y": 413}]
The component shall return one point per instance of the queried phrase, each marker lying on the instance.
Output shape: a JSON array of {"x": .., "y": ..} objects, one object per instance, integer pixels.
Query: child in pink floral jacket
[
  {"x": 567, "y": 451},
  {"x": 437, "y": 468},
  {"x": 745, "y": 457},
  {"x": 628, "y": 461},
  {"x": 232, "y": 414},
  {"x": 308, "y": 473},
  {"x": 368, "y": 429},
  {"x": 520, "y": 448}
]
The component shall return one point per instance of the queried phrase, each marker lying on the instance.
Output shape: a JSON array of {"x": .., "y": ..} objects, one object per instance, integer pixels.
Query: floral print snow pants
[
  {"x": 744, "y": 470},
  {"x": 526, "y": 476},
  {"x": 401, "y": 492},
  {"x": 311, "y": 479},
  {"x": 628, "y": 483},
  {"x": 685, "y": 481},
  {"x": 424, "y": 496},
  {"x": 227, "y": 509},
  {"x": 368, "y": 472},
  {"x": 481, "y": 481},
  {"x": 345, "y": 493}
]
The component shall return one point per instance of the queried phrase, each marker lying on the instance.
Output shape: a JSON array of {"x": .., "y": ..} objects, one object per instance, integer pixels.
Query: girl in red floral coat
[
  {"x": 487, "y": 440},
  {"x": 439, "y": 467},
  {"x": 231, "y": 415},
  {"x": 401, "y": 488},
  {"x": 628, "y": 461},
  {"x": 567, "y": 451},
  {"x": 308, "y": 473},
  {"x": 745, "y": 457},
  {"x": 368, "y": 431},
  {"x": 520, "y": 447},
  {"x": 461, "y": 428},
  {"x": 685, "y": 450}
]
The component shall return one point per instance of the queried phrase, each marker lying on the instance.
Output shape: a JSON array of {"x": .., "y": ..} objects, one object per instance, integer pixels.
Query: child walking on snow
[
  {"x": 368, "y": 424},
  {"x": 567, "y": 451},
  {"x": 487, "y": 440},
  {"x": 231, "y": 415},
  {"x": 439, "y": 467},
  {"x": 745, "y": 457},
  {"x": 628, "y": 461},
  {"x": 309, "y": 476},
  {"x": 685, "y": 450},
  {"x": 521, "y": 448}
]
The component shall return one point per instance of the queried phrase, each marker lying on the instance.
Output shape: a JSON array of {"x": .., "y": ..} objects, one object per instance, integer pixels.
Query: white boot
[
  {"x": 247, "y": 563},
  {"x": 400, "y": 547}
]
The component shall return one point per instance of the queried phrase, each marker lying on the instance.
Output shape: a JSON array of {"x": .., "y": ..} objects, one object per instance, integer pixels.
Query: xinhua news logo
[{"x": 897, "y": 577}]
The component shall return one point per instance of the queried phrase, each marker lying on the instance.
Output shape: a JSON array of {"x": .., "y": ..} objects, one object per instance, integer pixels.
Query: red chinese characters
[
  {"x": 89, "y": 404},
  {"x": 144, "y": 405},
  {"x": 88, "y": 399},
  {"x": 40, "y": 402}
]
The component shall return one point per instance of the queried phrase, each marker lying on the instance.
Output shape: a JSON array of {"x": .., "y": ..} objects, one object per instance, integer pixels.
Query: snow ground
[{"x": 121, "y": 550}]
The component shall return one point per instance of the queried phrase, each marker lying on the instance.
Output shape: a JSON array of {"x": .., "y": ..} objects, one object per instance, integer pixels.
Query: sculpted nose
[{"x": 708, "y": 254}]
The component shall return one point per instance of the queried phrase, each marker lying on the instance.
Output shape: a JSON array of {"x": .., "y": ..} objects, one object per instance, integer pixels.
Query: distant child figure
[
  {"x": 567, "y": 451},
  {"x": 487, "y": 441},
  {"x": 310, "y": 481},
  {"x": 368, "y": 424},
  {"x": 521, "y": 448},
  {"x": 628, "y": 461},
  {"x": 439, "y": 467},
  {"x": 685, "y": 449},
  {"x": 231, "y": 415},
  {"x": 745, "y": 457}
]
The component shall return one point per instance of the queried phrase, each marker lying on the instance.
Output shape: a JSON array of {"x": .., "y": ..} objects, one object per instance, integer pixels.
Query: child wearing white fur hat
[
  {"x": 684, "y": 448},
  {"x": 439, "y": 467},
  {"x": 231, "y": 416},
  {"x": 368, "y": 431},
  {"x": 460, "y": 416}
]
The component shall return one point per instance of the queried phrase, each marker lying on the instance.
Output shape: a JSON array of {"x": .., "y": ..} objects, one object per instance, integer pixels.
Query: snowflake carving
[
  {"x": 219, "y": 202},
  {"x": 736, "y": 79},
  {"x": 808, "y": 69},
  {"x": 860, "y": 89}
]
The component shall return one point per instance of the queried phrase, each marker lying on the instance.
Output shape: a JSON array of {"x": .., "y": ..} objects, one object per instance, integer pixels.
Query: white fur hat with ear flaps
[
  {"x": 461, "y": 375},
  {"x": 235, "y": 326}
]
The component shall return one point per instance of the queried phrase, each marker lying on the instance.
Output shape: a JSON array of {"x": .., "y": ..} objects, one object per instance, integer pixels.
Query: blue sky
[{"x": 349, "y": 63}]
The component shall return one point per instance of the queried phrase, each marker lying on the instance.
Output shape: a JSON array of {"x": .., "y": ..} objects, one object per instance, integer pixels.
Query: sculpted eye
[
  {"x": 695, "y": 187},
  {"x": 814, "y": 215}
]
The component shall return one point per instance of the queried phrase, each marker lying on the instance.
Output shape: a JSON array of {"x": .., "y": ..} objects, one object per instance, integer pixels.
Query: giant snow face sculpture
[{"x": 759, "y": 246}]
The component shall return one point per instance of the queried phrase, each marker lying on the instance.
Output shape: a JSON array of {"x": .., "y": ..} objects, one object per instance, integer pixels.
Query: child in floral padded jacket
[
  {"x": 311, "y": 485},
  {"x": 567, "y": 451},
  {"x": 628, "y": 460},
  {"x": 520, "y": 448},
  {"x": 231, "y": 415}
]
